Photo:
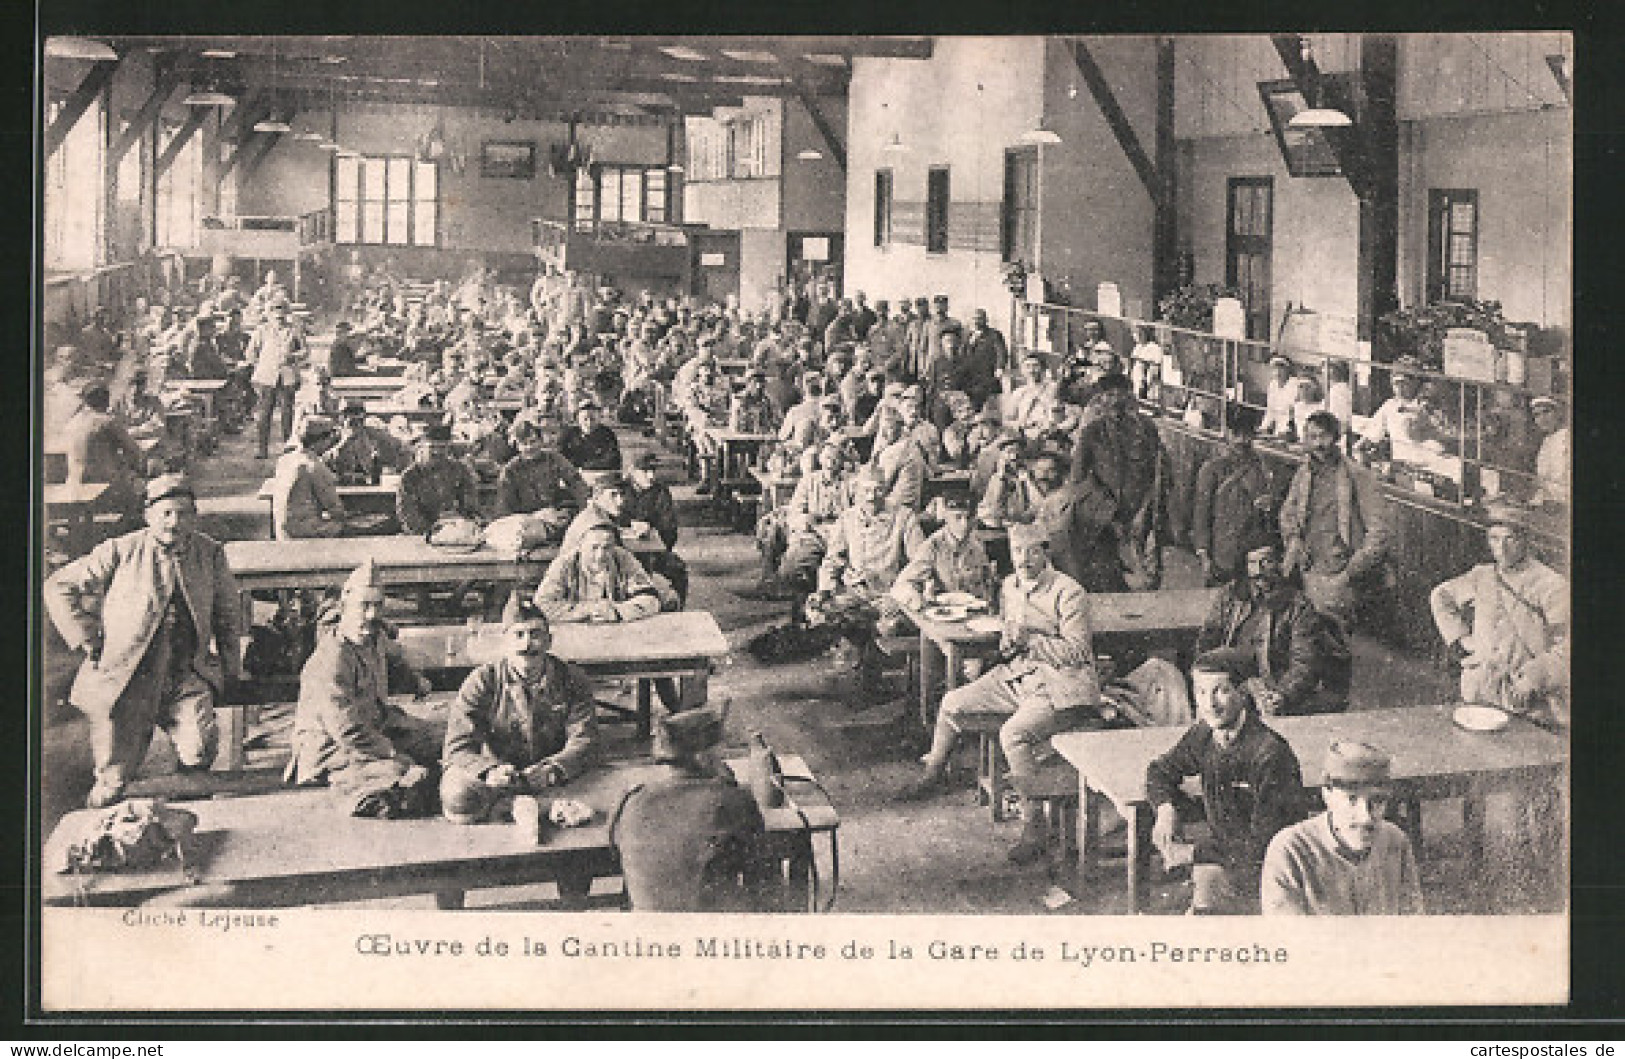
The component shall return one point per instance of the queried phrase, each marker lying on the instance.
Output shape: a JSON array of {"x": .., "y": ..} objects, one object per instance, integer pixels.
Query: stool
[
  {"x": 1056, "y": 786},
  {"x": 992, "y": 773}
]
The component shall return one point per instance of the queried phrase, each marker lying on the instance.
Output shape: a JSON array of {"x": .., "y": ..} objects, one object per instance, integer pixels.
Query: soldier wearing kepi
[
  {"x": 1347, "y": 861},
  {"x": 520, "y": 725},
  {"x": 346, "y": 732},
  {"x": 690, "y": 839},
  {"x": 155, "y": 615}
]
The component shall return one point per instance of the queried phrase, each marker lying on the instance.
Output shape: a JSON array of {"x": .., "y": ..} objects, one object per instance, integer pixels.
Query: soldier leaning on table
[{"x": 155, "y": 616}]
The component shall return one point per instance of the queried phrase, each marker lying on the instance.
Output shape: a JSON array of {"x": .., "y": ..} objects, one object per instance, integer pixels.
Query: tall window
[
  {"x": 393, "y": 200},
  {"x": 614, "y": 193},
  {"x": 73, "y": 192},
  {"x": 178, "y": 208},
  {"x": 1247, "y": 248},
  {"x": 1020, "y": 228},
  {"x": 1452, "y": 244},
  {"x": 936, "y": 210},
  {"x": 883, "y": 199}
]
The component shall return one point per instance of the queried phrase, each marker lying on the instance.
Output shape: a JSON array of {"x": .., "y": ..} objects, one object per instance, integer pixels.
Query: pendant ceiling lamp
[
  {"x": 208, "y": 97},
  {"x": 1039, "y": 135},
  {"x": 85, "y": 48},
  {"x": 1317, "y": 116},
  {"x": 810, "y": 154}
]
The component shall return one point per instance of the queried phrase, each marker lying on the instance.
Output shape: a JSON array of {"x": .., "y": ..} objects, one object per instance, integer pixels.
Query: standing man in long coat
[{"x": 155, "y": 617}]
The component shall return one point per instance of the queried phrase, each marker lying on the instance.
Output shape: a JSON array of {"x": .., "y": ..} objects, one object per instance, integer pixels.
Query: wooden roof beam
[{"x": 94, "y": 83}]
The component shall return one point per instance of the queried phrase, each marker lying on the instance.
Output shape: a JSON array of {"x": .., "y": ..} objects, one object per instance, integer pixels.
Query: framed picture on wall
[{"x": 510, "y": 159}]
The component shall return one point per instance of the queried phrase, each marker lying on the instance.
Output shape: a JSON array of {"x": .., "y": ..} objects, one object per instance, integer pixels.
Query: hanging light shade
[
  {"x": 328, "y": 145},
  {"x": 1317, "y": 116},
  {"x": 272, "y": 123},
  {"x": 79, "y": 48},
  {"x": 810, "y": 154},
  {"x": 1320, "y": 118},
  {"x": 208, "y": 97},
  {"x": 675, "y": 167},
  {"x": 309, "y": 136},
  {"x": 1039, "y": 135},
  {"x": 895, "y": 145}
]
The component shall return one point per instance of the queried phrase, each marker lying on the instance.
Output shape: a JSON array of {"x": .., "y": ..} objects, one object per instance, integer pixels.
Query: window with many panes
[
  {"x": 177, "y": 212},
  {"x": 621, "y": 194},
  {"x": 883, "y": 201},
  {"x": 390, "y": 199},
  {"x": 936, "y": 210},
  {"x": 73, "y": 198},
  {"x": 1452, "y": 244}
]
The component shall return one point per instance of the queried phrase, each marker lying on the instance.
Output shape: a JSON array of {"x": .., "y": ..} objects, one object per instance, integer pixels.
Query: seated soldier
[
  {"x": 1251, "y": 787},
  {"x": 705, "y": 406},
  {"x": 1046, "y": 682},
  {"x": 649, "y": 500},
  {"x": 869, "y": 544},
  {"x": 435, "y": 485},
  {"x": 346, "y": 732},
  {"x": 607, "y": 508},
  {"x": 305, "y": 499},
  {"x": 690, "y": 839},
  {"x": 1303, "y": 659},
  {"x": 540, "y": 482},
  {"x": 588, "y": 443},
  {"x": 900, "y": 461},
  {"x": 597, "y": 581},
  {"x": 314, "y": 398},
  {"x": 364, "y": 451},
  {"x": 951, "y": 560},
  {"x": 521, "y": 725},
  {"x": 1009, "y": 494},
  {"x": 1506, "y": 623},
  {"x": 792, "y": 539},
  {"x": 1348, "y": 860}
]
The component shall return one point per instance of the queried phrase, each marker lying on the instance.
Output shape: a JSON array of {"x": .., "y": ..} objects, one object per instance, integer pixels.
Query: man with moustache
[
  {"x": 154, "y": 616},
  {"x": 521, "y": 725},
  {"x": 1348, "y": 860},
  {"x": 346, "y": 732}
]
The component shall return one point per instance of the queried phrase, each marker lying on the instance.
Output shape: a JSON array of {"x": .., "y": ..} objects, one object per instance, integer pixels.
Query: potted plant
[
  {"x": 1191, "y": 306},
  {"x": 1420, "y": 331}
]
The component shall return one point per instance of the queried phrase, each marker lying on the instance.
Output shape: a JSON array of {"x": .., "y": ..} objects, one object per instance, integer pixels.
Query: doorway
[
  {"x": 714, "y": 267},
  {"x": 811, "y": 256}
]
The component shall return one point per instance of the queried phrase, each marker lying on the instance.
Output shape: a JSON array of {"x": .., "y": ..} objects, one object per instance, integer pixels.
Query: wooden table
[
  {"x": 776, "y": 488},
  {"x": 401, "y": 560},
  {"x": 1432, "y": 758},
  {"x": 364, "y": 387},
  {"x": 75, "y": 507},
  {"x": 950, "y": 482},
  {"x": 298, "y": 847},
  {"x": 358, "y": 499},
  {"x": 205, "y": 390},
  {"x": 1158, "y": 617},
  {"x": 680, "y": 644}
]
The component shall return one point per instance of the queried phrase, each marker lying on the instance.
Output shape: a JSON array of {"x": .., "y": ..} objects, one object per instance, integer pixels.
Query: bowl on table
[
  {"x": 945, "y": 612},
  {"x": 985, "y": 626},
  {"x": 638, "y": 529},
  {"x": 1480, "y": 718},
  {"x": 959, "y": 599}
]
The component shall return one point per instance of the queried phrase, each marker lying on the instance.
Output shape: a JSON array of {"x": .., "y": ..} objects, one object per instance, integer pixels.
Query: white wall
[
  {"x": 1096, "y": 216},
  {"x": 961, "y": 108}
]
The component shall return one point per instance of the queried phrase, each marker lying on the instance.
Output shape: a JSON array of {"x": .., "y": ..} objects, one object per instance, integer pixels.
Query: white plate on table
[
  {"x": 958, "y": 599},
  {"x": 638, "y": 529},
  {"x": 942, "y": 612},
  {"x": 985, "y": 626},
  {"x": 1480, "y": 718}
]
